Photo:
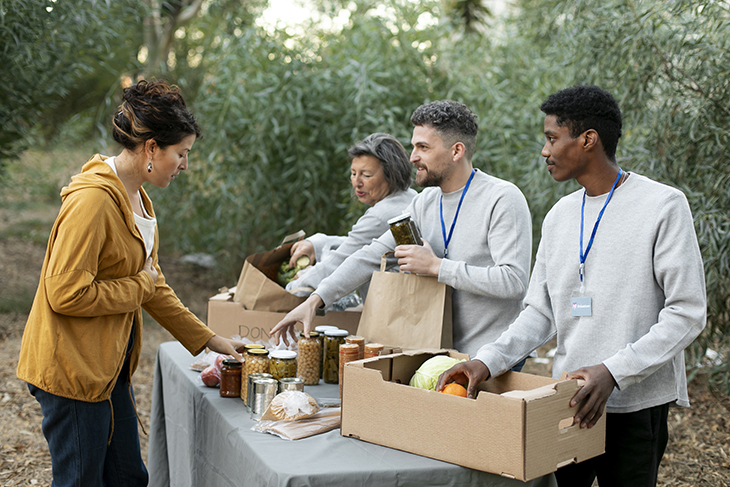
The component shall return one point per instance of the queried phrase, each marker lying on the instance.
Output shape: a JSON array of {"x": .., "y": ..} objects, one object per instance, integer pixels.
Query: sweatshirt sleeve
[
  {"x": 679, "y": 272},
  {"x": 368, "y": 227},
  {"x": 167, "y": 309},
  {"x": 356, "y": 270},
  {"x": 320, "y": 242},
  {"x": 509, "y": 239},
  {"x": 534, "y": 326},
  {"x": 71, "y": 280}
]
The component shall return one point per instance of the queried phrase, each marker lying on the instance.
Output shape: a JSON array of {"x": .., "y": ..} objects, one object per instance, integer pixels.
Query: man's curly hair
[
  {"x": 453, "y": 122},
  {"x": 587, "y": 107}
]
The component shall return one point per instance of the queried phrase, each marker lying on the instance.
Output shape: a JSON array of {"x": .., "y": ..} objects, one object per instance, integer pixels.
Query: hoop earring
[{"x": 149, "y": 166}]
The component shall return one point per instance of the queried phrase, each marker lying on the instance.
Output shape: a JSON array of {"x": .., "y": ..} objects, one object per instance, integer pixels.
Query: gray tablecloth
[{"x": 200, "y": 439}]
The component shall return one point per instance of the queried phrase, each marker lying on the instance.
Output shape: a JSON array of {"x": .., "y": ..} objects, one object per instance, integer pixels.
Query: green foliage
[
  {"x": 278, "y": 122},
  {"x": 278, "y": 112},
  {"x": 47, "y": 47}
]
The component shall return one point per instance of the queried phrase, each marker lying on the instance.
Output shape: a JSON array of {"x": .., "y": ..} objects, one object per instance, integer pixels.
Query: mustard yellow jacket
[{"x": 92, "y": 289}]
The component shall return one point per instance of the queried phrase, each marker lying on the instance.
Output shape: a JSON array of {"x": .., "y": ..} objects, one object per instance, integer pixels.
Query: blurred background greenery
[{"x": 280, "y": 104}]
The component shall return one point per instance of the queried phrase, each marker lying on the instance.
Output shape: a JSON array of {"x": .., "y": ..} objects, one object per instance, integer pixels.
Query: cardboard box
[
  {"x": 227, "y": 318},
  {"x": 523, "y": 434}
]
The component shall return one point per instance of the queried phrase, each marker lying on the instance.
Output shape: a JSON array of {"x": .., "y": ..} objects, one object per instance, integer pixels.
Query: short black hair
[
  {"x": 392, "y": 156},
  {"x": 585, "y": 107},
  {"x": 453, "y": 121}
]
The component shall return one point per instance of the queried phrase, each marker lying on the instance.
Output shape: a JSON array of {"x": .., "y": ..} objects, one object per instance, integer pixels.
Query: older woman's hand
[
  {"x": 302, "y": 248},
  {"x": 304, "y": 314}
]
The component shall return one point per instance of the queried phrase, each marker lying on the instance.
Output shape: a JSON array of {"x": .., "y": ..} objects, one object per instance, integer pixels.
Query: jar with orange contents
[{"x": 230, "y": 378}]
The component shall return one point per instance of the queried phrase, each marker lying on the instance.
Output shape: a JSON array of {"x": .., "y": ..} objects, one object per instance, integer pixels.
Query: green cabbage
[{"x": 428, "y": 374}]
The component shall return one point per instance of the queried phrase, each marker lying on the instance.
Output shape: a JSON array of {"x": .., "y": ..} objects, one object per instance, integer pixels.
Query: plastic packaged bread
[{"x": 290, "y": 406}]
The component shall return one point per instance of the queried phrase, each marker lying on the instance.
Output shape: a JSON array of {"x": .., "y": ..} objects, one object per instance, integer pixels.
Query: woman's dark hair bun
[{"x": 152, "y": 110}]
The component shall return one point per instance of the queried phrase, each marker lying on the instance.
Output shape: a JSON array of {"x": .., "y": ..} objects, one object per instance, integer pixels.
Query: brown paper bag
[
  {"x": 407, "y": 310},
  {"x": 257, "y": 288}
]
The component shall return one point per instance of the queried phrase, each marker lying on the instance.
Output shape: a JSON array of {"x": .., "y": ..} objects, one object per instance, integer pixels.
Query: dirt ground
[{"x": 697, "y": 454}]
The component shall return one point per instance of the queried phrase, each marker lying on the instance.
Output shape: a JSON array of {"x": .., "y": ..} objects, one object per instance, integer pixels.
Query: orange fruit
[{"x": 454, "y": 389}]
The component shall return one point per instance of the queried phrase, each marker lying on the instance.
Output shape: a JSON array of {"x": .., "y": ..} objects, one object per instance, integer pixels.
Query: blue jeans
[{"x": 77, "y": 432}]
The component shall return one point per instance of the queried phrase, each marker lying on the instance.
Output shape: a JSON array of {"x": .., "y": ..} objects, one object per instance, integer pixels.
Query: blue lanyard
[
  {"x": 595, "y": 226},
  {"x": 453, "y": 223}
]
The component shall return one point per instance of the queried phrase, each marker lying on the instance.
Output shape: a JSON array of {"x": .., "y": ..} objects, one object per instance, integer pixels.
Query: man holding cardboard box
[
  {"x": 476, "y": 234},
  {"x": 624, "y": 300}
]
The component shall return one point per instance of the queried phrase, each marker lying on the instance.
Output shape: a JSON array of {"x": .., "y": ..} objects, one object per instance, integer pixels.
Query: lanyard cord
[
  {"x": 595, "y": 227},
  {"x": 453, "y": 223}
]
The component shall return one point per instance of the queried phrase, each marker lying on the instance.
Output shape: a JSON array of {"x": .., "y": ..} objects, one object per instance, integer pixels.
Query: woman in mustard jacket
[{"x": 83, "y": 338}]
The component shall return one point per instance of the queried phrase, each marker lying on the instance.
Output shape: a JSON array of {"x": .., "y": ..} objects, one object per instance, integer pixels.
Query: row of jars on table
[{"x": 321, "y": 356}]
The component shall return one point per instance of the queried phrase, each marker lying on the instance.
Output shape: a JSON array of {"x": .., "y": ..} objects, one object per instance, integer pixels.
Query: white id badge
[{"x": 581, "y": 306}]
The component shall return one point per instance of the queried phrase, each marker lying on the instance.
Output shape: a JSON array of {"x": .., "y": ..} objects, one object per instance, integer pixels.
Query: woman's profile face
[
  {"x": 368, "y": 180},
  {"x": 168, "y": 162}
]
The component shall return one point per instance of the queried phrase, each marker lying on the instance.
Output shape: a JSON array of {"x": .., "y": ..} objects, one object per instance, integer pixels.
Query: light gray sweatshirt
[
  {"x": 331, "y": 250},
  {"x": 488, "y": 262},
  {"x": 645, "y": 278}
]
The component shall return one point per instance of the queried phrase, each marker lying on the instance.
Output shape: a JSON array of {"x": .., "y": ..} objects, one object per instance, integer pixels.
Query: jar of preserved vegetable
[
  {"x": 282, "y": 364},
  {"x": 231, "y": 378},
  {"x": 373, "y": 349},
  {"x": 256, "y": 361},
  {"x": 349, "y": 352},
  {"x": 321, "y": 329},
  {"x": 404, "y": 230},
  {"x": 246, "y": 348},
  {"x": 332, "y": 341},
  {"x": 309, "y": 361}
]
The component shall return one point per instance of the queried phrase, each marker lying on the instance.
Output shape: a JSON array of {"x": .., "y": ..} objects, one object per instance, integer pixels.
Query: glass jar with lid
[
  {"x": 282, "y": 364},
  {"x": 309, "y": 362},
  {"x": 404, "y": 230},
  {"x": 321, "y": 329},
  {"x": 332, "y": 341},
  {"x": 256, "y": 361},
  {"x": 231, "y": 378}
]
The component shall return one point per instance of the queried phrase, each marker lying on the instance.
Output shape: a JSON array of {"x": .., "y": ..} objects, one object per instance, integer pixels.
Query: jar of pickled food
[
  {"x": 349, "y": 352},
  {"x": 373, "y": 349},
  {"x": 404, "y": 230},
  {"x": 256, "y": 361},
  {"x": 360, "y": 342},
  {"x": 321, "y": 329},
  {"x": 309, "y": 361},
  {"x": 231, "y": 378},
  {"x": 282, "y": 364},
  {"x": 332, "y": 341}
]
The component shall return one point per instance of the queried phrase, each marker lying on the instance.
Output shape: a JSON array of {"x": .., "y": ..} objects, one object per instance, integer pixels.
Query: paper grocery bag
[
  {"x": 407, "y": 310},
  {"x": 257, "y": 288}
]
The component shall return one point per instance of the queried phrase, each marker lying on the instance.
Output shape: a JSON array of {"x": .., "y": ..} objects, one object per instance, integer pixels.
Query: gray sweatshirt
[
  {"x": 488, "y": 262},
  {"x": 645, "y": 278},
  {"x": 331, "y": 251}
]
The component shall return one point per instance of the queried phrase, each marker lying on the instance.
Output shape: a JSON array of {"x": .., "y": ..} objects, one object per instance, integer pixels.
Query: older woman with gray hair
[{"x": 380, "y": 172}]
